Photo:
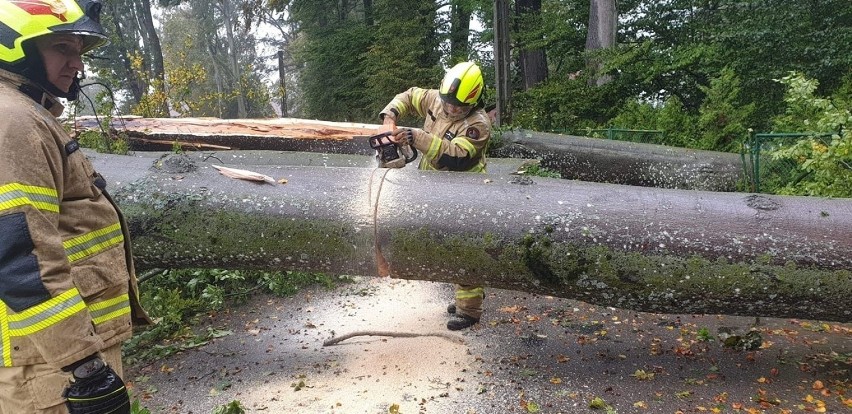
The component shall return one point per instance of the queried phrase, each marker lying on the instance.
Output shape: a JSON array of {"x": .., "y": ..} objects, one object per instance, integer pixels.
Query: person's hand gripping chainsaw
[{"x": 401, "y": 138}]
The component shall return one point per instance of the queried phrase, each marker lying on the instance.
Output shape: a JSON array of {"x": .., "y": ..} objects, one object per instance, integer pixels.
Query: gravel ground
[{"x": 529, "y": 354}]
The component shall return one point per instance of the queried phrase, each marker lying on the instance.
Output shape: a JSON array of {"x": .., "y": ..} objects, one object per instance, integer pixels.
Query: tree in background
[
  {"x": 600, "y": 34},
  {"x": 532, "y": 56},
  {"x": 332, "y": 39},
  {"x": 676, "y": 48},
  {"x": 564, "y": 101},
  {"x": 723, "y": 116},
  {"x": 138, "y": 68},
  {"x": 404, "y": 53},
  {"x": 701, "y": 71}
]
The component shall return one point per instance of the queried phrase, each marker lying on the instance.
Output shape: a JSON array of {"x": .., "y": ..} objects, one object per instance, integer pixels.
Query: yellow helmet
[
  {"x": 22, "y": 20},
  {"x": 462, "y": 85}
]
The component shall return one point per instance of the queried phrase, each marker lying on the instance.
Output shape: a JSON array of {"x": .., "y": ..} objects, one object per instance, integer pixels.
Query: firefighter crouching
[
  {"x": 454, "y": 138},
  {"x": 68, "y": 291}
]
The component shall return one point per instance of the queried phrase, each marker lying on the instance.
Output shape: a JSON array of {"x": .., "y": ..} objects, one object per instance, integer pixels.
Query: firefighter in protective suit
[
  {"x": 68, "y": 292},
  {"x": 454, "y": 137}
]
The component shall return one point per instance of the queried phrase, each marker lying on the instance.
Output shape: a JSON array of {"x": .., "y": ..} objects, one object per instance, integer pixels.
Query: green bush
[{"x": 824, "y": 166}]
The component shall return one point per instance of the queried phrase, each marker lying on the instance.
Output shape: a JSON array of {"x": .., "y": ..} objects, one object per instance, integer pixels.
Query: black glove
[{"x": 96, "y": 389}]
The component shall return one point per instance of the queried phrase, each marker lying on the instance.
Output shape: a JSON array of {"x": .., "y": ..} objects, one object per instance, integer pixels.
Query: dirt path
[{"x": 530, "y": 354}]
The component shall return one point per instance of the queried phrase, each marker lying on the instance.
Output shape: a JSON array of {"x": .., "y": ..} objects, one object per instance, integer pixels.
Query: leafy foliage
[
  {"x": 394, "y": 63},
  {"x": 564, "y": 104},
  {"x": 233, "y": 407},
  {"x": 105, "y": 140},
  {"x": 825, "y": 167},
  {"x": 332, "y": 79},
  {"x": 723, "y": 118}
]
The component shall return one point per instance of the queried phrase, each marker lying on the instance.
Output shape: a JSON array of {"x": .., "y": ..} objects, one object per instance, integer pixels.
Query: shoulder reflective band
[{"x": 416, "y": 99}]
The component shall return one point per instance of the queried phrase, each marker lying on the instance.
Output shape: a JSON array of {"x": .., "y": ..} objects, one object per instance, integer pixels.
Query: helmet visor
[{"x": 88, "y": 26}]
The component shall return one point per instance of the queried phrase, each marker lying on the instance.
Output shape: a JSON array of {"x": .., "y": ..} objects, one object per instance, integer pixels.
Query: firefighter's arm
[
  {"x": 388, "y": 123},
  {"x": 36, "y": 287},
  {"x": 413, "y": 101},
  {"x": 459, "y": 154}
]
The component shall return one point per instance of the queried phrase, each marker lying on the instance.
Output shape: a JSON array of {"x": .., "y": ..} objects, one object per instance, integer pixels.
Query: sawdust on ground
[{"x": 530, "y": 354}]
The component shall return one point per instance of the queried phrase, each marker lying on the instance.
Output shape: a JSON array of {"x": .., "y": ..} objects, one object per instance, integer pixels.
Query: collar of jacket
[{"x": 33, "y": 91}]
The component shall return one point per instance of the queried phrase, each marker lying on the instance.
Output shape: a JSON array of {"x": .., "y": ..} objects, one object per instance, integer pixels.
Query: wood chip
[{"x": 244, "y": 174}]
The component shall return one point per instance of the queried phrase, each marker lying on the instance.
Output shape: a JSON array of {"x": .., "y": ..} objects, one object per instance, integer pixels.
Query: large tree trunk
[
  {"x": 533, "y": 61},
  {"x": 502, "y": 63},
  {"x": 603, "y": 23},
  {"x": 136, "y": 86},
  {"x": 155, "y": 51},
  {"x": 237, "y": 82},
  {"x": 647, "y": 249},
  {"x": 368, "y": 13}
]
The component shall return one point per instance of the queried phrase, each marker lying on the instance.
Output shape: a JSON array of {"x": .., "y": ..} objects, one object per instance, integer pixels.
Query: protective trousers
[
  {"x": 37, "y": 389},
  {"x": 469, "y": 300}
]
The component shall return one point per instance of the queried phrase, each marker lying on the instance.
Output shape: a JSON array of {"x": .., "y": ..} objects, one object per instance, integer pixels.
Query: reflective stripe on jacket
[
  {"x": 67, "y": 286},
  {"x": 451, "y": 145}
]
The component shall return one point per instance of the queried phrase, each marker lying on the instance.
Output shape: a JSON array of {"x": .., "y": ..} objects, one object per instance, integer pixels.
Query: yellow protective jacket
[
  {"x": 451, "y": 145},
  {"x": 67, "y": 286}
]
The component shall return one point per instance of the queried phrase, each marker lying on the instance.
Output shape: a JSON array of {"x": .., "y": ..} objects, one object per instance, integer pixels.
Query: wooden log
[{"x": 647, "y": 249}]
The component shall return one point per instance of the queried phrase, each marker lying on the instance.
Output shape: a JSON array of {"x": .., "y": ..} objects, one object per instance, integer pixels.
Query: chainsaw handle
[
  {"x": 413, "y": 154},
  {"x": 380, "y": 140}
]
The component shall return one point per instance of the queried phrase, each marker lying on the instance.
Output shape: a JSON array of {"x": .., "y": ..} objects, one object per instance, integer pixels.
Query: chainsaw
[{"x": 389, "y": 154}]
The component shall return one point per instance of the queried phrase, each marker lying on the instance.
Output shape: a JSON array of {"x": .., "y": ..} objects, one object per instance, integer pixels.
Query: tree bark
[
  {"x": 155, "y": 51},
  {"x": 603, "y": 21},
  {"x": 282, "y": 83},
  {"x": 230, "y": 20},
  {"x": 533, "y": 62},
  {"x": 368, "y": 13},
  {"x": 630, "y": 163},
  {"x": 502, "y": 63},
  {"x": 136, "y": 86},
  {"x": 655, "y": 250}
]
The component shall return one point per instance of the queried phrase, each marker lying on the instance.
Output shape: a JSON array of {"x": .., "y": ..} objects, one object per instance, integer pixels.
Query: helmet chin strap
[{"x": 74, "y": 91}]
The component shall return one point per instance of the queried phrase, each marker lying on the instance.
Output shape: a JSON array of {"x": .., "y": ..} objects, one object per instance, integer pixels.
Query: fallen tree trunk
[
  {"x": 580, "y": 158},
  {"x": 279, "y": 134},
  {"x": 630, "y": 163},
  {"x": 656, "y": 250}
]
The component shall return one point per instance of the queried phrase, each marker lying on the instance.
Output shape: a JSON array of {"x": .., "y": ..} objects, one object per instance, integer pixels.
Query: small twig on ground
[{"x": 450, "y": 337}]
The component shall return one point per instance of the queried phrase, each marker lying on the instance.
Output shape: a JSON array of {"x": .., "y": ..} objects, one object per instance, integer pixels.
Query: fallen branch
[{"x": 450, "y": 337}]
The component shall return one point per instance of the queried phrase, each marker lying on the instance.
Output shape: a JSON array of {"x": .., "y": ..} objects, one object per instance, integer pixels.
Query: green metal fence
[
  {"x": 763, "y": 173},
  {"x": 768, "y": 175}
]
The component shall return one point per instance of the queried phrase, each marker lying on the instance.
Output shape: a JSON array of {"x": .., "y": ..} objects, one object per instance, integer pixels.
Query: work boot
[
  {"x": 461, "y": 321},
  {"x": 451, "y": 309}
]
